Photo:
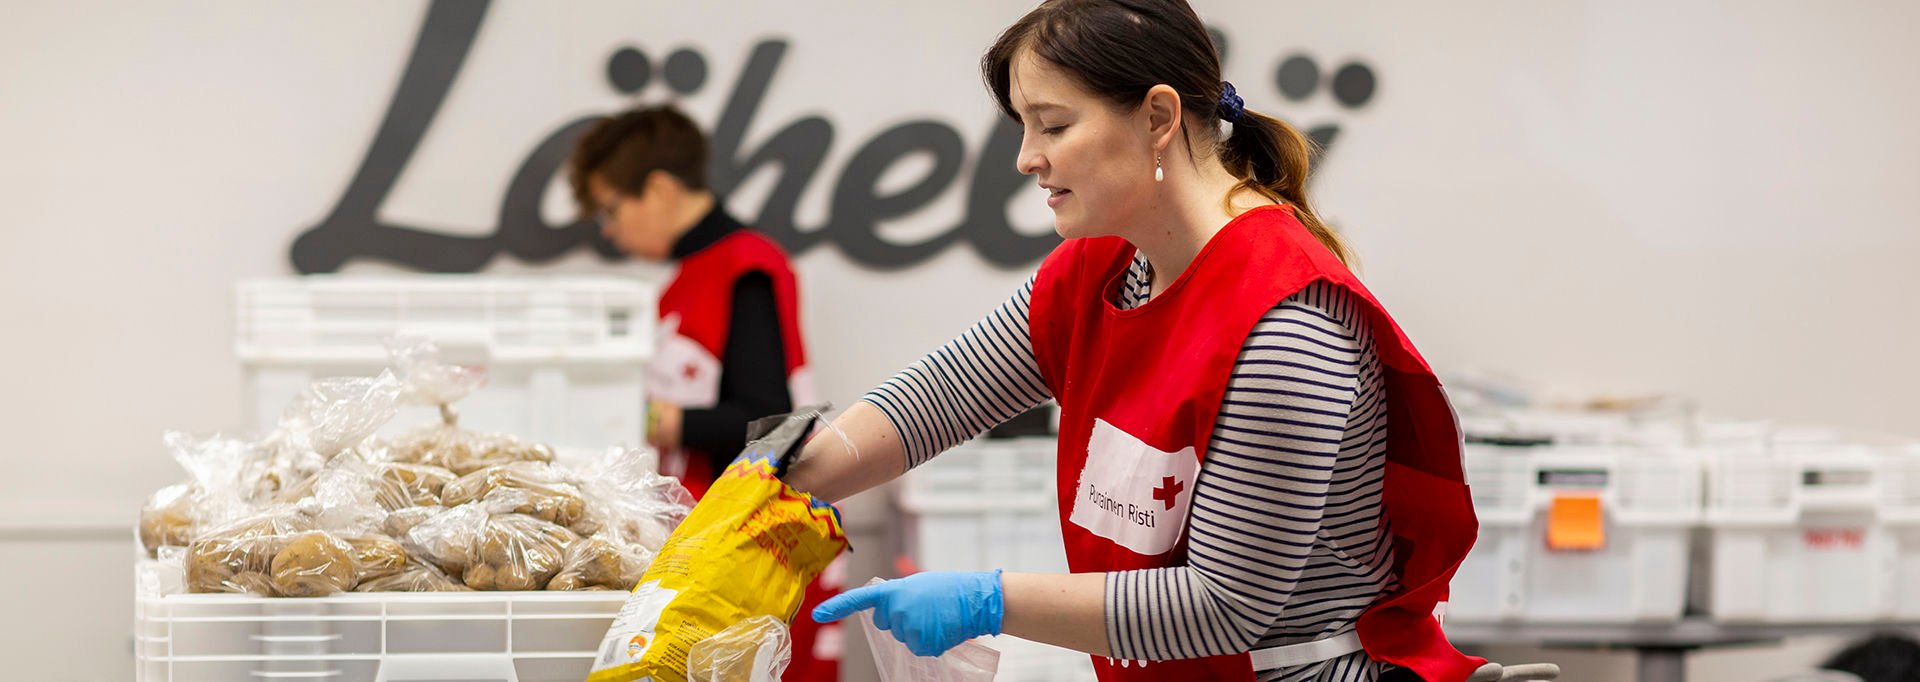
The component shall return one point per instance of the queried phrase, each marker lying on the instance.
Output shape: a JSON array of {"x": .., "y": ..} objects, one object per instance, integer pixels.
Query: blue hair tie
[{"x": 1231, "y": 106}]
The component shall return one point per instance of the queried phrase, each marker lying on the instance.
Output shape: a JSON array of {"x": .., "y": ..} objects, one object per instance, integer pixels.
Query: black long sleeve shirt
[{"x": 753, "y": 365}]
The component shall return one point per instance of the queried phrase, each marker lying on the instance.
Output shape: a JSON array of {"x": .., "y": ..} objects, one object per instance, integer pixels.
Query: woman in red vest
[
  {"x": 730, "y": 348},
  {"x": 1259, "y": 477}
]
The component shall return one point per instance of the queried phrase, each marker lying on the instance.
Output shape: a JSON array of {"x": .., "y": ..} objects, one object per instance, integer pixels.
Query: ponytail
[{"x": 1271, "y": 159}]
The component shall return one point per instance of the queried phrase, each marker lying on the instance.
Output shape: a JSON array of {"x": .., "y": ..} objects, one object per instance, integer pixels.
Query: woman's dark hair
[
  {"x": 1120, "y": 49},
  {"x": 624, "y": 149}
]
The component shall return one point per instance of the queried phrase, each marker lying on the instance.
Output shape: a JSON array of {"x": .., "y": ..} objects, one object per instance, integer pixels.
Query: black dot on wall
[
  {"x": 628, "y": 70},
  {"x": 1353, "y": 85},
  {"x": 685, "y": 71},
  {"x": 1297, "y": 77}
]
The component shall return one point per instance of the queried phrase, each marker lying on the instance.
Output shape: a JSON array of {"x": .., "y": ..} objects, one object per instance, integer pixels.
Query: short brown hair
[{"x": 623, "y": 149}]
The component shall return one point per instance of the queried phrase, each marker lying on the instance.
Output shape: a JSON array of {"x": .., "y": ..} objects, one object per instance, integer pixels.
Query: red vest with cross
[
  {"x": 1140, "y": 390},
  {"x": 695, "y": 311}
]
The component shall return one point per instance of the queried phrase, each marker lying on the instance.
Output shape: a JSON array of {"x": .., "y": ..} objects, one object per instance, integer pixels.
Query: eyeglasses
[{"x": 608, "y": 208}]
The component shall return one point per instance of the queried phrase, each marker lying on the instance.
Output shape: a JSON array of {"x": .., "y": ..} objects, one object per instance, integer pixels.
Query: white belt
[{"x": 1304, "y": 653}]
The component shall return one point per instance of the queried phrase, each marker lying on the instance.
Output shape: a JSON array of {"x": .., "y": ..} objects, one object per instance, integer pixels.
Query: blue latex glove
[{"x": 929, "y": 612}]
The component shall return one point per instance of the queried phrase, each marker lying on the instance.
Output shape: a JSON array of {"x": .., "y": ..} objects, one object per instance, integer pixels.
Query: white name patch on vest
[
  {"x": 1133, "y": 494},
  {"x": 682, "y": 371}
]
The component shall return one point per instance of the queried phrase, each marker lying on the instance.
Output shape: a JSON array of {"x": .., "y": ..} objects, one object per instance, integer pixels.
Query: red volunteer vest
[
  {"x": 1139, "y": 391},
  {"x": 695, "y": 311}
]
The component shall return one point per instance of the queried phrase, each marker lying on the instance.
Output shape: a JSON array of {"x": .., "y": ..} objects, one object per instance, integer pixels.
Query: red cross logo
[
  {"x": 689, "y": 371},
  {"x": 1168, "y": 491}
]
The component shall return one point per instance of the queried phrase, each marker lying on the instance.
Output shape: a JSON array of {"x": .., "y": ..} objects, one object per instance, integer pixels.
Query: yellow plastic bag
[{"x": 748, "y": 549}]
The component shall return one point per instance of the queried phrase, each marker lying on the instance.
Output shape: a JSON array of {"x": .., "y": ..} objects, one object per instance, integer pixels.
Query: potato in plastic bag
[
  {"x": 344, "y": 496},
  {"x": 313, "y": 564},
  {"x": 238, "y": 557},
  {"x": 518, "y": 552},
  {"x": 400, "y": 522},
  {"x": 601, "y": 563},
  {"x": 400, "y": 485},
  {"x": 375, "y": 557},
  {"x": 532, "y": 488},
  {"x": 216, "y": 492},
  {"x": 450, "y": 538},
  {"x": 491, "y": 551},
  {"x": 167, "y": 519},
  {"x": 416, "y": 576},
  {"x": 748, "y": 549},
  {"x": 462, "y": 451},
  {"x": 757, "y": 649}
]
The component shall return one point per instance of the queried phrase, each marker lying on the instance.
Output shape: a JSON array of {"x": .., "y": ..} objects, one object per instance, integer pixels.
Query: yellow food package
[{"x": 748, "y": 549}]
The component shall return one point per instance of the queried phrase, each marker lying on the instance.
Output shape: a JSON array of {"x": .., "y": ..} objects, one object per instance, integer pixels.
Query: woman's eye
[{"x": 1052, "y": 130}]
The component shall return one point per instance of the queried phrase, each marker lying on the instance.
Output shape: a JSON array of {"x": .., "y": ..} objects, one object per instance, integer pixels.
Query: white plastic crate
[
  {"x": 1813, "y": 531},
  {"x": 1650, "y": 499},
  {"x": 1659, "y": 426},
  {"x": 565, "y": 356},
  {"x": 983, "y": 505},
  {"x": 370, "y": 637}
]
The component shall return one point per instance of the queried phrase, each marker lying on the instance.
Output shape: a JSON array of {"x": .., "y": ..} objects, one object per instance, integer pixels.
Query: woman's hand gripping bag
[{"x": 748, "y": 549}]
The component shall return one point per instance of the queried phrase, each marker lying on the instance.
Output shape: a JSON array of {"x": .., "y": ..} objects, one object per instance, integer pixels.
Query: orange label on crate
[
  {"x": 1834, "y": 538},
  {"x": 1576, "y": 522}
]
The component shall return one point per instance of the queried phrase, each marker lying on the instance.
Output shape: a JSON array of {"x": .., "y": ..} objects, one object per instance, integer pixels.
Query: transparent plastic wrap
[
  {"x": 168, "y": 519},
  {"x": 338, "y": 413},
  {"x": 215, "y": 493},
  {"x": 332, "y": 416},
  {"x": 399, "y": 486},
  {"x": 493, "y": 550},
  {"x": 429, "y": 380},
  {"x": 415, "y": 576},
  {"x": 757, "y": 649},
  {"x": 627, "y": 501},
  {"x": 971, "y": 661},
  {"x": 532, "y": 488},
  {"x": 344, "y": 497},
  {"x": 400, "y": 522}
]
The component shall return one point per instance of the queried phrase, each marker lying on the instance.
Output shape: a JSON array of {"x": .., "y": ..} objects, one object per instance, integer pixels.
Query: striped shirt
[{"x": 1284, "y": 541}]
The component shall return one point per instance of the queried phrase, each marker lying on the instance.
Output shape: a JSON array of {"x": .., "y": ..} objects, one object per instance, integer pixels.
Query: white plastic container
[
  {"x": 1814, "y": 531},
  {"x": 565, "y": 356},
  {"x": 1649, "y": 500},
  {"x": 379, "y": 637},
  {"x": 983, "y": 505}
]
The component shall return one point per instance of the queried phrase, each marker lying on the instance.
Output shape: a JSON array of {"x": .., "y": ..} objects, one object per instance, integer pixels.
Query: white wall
[{"x": 1709, "y": 198}]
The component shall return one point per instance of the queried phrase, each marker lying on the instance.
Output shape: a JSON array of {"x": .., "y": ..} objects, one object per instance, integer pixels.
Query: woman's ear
[{"x": 1162, "y": 111}]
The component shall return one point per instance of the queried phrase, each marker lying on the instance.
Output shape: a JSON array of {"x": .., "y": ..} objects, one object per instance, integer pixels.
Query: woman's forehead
[{"x": 1037, "y": 84}]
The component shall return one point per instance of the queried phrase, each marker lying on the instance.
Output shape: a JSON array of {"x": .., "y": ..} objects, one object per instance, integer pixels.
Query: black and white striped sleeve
[
  {"x": 982, "y": 378},
  {"x": 1297, "y": 423}
]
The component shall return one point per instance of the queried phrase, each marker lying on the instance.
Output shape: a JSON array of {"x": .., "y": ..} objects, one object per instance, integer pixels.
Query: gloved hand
[{"x": 929, "y": 612}]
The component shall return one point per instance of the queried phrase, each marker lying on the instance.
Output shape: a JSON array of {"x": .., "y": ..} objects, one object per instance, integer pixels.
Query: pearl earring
[{"x": 1158, "y": 175}]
